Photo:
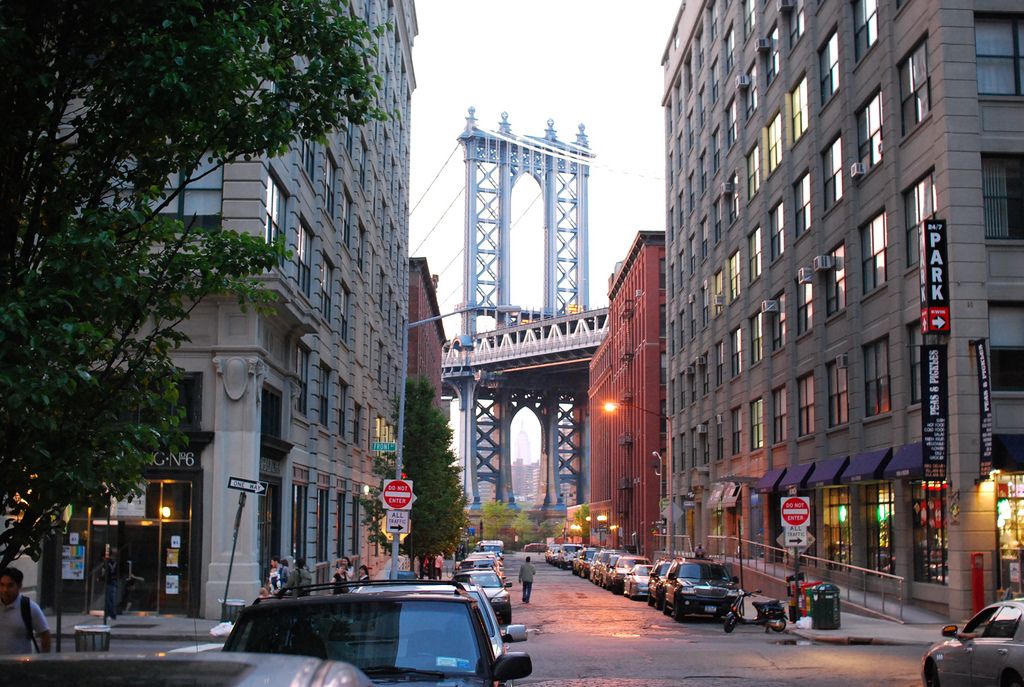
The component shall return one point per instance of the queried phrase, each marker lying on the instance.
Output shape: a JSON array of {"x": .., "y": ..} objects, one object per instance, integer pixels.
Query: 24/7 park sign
[{"x": 934, "y": 278}]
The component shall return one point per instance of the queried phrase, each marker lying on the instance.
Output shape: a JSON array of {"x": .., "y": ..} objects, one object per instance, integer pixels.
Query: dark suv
[
  {"x": 396, "y": 634},
  {"x": 698, "y": 587}
]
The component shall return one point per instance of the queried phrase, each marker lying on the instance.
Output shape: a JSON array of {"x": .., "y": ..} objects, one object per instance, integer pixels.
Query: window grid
[
  {"x": 737, "y": 431},
  {"x": 777, "y": 230},
  {"x": 873, "y": 248},
  {"x": 302, "y": 368},
  {"x": 779, "y": 415},
  {"x": 919, "y": 205},
  {"x": 805, "y": 402},
  {"x": 775, "y": 143},
  {"x": 734, "y": 276},
  {"x": 828, "y": 64},
  {"x": 999, "y": 49},
  {"x": 757, "y": 424},
  {"x": 753, "y": 172},
  {"x": 915, "y": 88},
  {"x": 751, "y": 96},
  {"x": 802, "y": 203},
  {"x": 869, "y": 132},
  {"x": 779, "y": 323},
  {"x": 303, "y": 258},
  {"x": 756, "y": 338},
  {"x": 1002, "y": 181},
  {"x": 736, "y": 339},
  {"x": 772, "y": 60},
  {"x": 832, "y": 166},
  {"x": 835, "y": 283},
  {"x": 876, "y": 377},
  {"x": 799, "y": 109},
  {"x": 865, "y": 25},
  {"x": 804, "y": 308},
  {"x": 838, "y": 396},
  {"x": 754, "y": 254}
]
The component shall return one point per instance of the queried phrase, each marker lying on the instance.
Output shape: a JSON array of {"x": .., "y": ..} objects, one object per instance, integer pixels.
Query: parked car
[
  {"x": 535, "y": 547},
  {"x": 552, "y": 553},
  {"x": 655, "y": 585},
  {"x": 608, "y": 569},
  {"x": 615, "y": 581},
  {"x": 394, "y": 633},
  {"x": 480, "y": 564},
  {"x": 599, "y": 563},
  {"x": 989, "y": 650},
  {"x": 495, "y": 546},
  {"x": 581, "y": 566},
  {"x": 637, "y": 582},
  {"x": 566, "y": 555},
  {"x": 211, "y": 669},
  {"x": 698, "y": 587},
  {"x": 495, "y": 588}
]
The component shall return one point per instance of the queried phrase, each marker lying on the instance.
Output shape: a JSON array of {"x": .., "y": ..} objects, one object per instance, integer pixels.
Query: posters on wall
[{"x": 934, "y": 410}]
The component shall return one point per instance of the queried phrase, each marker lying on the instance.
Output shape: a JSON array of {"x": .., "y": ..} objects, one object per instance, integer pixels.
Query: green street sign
[{"x": 384, "y": 446}]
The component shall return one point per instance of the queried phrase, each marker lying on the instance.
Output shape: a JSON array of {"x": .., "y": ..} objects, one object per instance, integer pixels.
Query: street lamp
[{"x": 501, "y": 309}]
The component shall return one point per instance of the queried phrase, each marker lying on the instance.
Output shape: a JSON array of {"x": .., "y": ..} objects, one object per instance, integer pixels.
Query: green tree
[
  {"x": 108, "y": 107},
  {"x": 524, "y": 527},
  {"x": 496, "y": 518},
  {"x": 582, "y": 518}
]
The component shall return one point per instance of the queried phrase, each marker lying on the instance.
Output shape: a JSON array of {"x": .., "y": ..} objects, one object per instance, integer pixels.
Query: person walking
[
  {"x": 21, "y": 619},
  {"x": 526, "y": 573},
  {"x": 438, "y": 566},
  {"x": 300, "y": 577},
  {"x": 108, "y": 573}
]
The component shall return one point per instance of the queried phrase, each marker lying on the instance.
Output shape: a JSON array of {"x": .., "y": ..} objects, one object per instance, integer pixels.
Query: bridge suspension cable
[
  {"x": 436, "y": 176},
  {"x": 438, "y": 222}
]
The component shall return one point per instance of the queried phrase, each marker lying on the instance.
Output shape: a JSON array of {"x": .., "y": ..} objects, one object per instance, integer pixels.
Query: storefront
[
  {"x": 877, "y": 502},
  {"x": 1009, "y": 461},
  {"x": 836, "y": 541},
  {"x": 156, "y": 539}
]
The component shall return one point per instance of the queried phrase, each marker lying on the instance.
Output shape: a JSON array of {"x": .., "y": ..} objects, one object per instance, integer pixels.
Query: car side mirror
[
  {"x": 949, "y": 631},
  {"x": 508, "y": 585},
  {"x": 515, "y": 633},
  {"x": 512, "y": 666}
]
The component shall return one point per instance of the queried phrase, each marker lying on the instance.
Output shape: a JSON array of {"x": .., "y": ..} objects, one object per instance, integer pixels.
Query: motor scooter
[{"x": 770, "y": 613}]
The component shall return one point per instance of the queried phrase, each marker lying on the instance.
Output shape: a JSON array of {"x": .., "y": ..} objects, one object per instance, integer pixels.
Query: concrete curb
[{"x": 850, "y": 639}]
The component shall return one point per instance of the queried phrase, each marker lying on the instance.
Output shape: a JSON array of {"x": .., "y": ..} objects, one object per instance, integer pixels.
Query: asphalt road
[{"x": 583, "y": 635}]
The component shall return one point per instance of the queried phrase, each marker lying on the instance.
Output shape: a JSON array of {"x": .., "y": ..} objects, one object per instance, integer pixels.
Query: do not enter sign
[
  {"x": 796, "y": 511},
  {"x": 397, "y": 494}
]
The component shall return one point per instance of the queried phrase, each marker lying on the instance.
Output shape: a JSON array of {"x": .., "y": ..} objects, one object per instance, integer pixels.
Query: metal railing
[{"x": 872, "y": 590}]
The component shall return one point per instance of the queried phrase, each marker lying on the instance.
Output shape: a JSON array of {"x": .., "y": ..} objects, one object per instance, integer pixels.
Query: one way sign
[
  {"x": 934, "y": 278},
  {"x": 250, "y": 485}
]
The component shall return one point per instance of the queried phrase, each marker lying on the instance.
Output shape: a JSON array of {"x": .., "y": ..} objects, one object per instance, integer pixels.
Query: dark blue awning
[
  {"x": 826, "y": 472},
  {"x": 867, "y": 467},
  {"x": 796, "y": 476},
  {"x": 907, "y": 463},
  {"x": 1008, "y": 452},
  {"x": 770, "y": 481}
]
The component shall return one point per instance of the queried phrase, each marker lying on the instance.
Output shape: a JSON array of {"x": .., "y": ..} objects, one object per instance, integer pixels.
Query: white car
[{"x": 989, "y": 650}]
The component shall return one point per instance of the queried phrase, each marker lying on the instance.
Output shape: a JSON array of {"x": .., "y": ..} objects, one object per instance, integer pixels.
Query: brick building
[{"x": 425, "y": 342}]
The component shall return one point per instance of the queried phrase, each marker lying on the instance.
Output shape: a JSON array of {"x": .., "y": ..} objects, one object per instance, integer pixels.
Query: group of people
[
  {"x": 282, "y": 578},
  {"x": 431, "y": 566}
]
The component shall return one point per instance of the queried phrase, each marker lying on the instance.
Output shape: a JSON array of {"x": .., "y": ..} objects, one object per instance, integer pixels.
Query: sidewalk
[
  {"x": 859, "y": 629},
  {"x": 141, "y": 627}
]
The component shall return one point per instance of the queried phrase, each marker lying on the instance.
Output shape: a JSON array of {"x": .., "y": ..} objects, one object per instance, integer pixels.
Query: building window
[
  {"x": 798, "y": 108},
  {"x": 713, "y": 73},
  {"x": 1002, "y": 183},
  {"x": 777, "y": 230},
  {"x": 802, "y": 203},
  {"x": 914, "y": 357},
  {"x": 704, "y": 238},
  {"x": 357, "y": 424},
  {"x": 340, "y": 525},
  {"x": 346, "y": 312},
  {"x": 828, "y": 65},
  {"x": 757, "y": 424},
  {"x": 736, "y": 340},
  {"x": 879, "y": 506},
  {"x": 756, "y": 338},
  {"x": 999, "y": 46},
  {"x": 772, "y": 61},
  {"x": 700, "y": 107},
  {"x": 347, "y": 219},
  {"x": 343, "y": 410},
  {"x": 865, "y": 26},
  {"x": 703, "y": 167},
  {"x": 873, "y": 249},
  {"x": 804, "y": 308},
  {"x": 692, "y": 245},
  {"x": 869, "y": 132},
  {"x": 915, "y": 96},
  {"x": 779, "y": 415},
  {"x": 779, "y": 323},
  {"x": 330, "y": 188},
  {"x": 838, "y": 395},
  {"x": 836, "y": 524},
  {"x": 775, "y": 143},
  {"x": 805, "y": 401},
  {"x": 748, "y": 18},
  {"x": 730, "y": 124},
  {"x": 730, "y": 49},
  {"x": 309, "y": 158},
  {"x": 751, "y": 97},
  {"x": 270, "y": 412},
  {"x": 754, "y": 254},
  {"x": 323, "y": 524},
  {"x": 919, "y": 205},
  {"x": 832, "y": 166},
  {"x": 715, "y": 156},
  {"x": 719, "y": 363},
  {"x": 356, "y": 534},
  {"x": 719, "y": 290},
  {"x": 705, "y": 304},
  {"x": 734, "y": 199},
  {"x": 716, "y": 220},
  {"x": 1006, "y": 329},
  {"x": 753, "y": 172},
  {"x": 796, "y": 23},
  {"x": 324, "y": 394},
  {"x": 876, "y": 377},
  {"x": 835, "y": 281},
  {"x": 929, "y": 531},
  {"x": 705, "y": 376},
  {"x": 275, "y": 211},
  {"x": 197, "y": 204},
  {"x": 326, "y": 287},
  {"x": 734, "y": 276},
  {"x": 302, "y": 370},
  {"x": 303, "y": 259},
  {"x": 300, "y": 493},
  {"x": 737, "y": 431}
]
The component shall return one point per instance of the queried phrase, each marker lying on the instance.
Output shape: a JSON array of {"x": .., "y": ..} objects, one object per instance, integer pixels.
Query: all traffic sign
[
  {"x": 250, "y": 485},
  {"x": 796, "y": 511},
  {"x": 397, "y": 494},
  {"x": 398, "y": 521}
]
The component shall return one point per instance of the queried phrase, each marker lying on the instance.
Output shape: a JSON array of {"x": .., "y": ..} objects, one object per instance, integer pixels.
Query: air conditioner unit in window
[
  {"x": 842, "y": 361},
  {"x": 702, "y": 360},
  {"x": 769, "y": 306},
  {"x": 743, "y": 82},
  {"x": 718, "y": 419},
  {"x": 691, "y": 370},
  {"x": 764, "y": 44},
  {"x": 702, "y": 428},
  {"x": 805, "y": 275},
  {"x": 691, "y": 298},
  {"x": 822, "y": 263},
  {"x": 786, "y": 5},
  {"x": 718, "y": 299},
  {"x": 728, "y": 188},
  {"x": 858, "y": 169}
]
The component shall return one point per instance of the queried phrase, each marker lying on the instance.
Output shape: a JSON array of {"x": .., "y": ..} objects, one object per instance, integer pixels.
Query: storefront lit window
[
  {"x": 929, "y": 508},
  {"x": 1010, "y": 523},
  {"x": 837, "y": 524},
  {"x": 878, "y": 512}
]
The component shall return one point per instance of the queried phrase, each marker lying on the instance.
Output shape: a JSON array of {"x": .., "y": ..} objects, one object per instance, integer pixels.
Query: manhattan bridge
[{"x": 536, "y": 360}]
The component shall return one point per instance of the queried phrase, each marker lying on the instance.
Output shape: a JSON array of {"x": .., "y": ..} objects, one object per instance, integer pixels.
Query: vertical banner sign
[
  {"x": 934, "y": 410},
  {"x": 984, "y": 408},
  {"x": 934, "y": 278}
]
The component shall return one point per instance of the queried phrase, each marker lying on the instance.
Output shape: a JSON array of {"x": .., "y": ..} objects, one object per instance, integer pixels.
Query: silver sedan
[
  {"x": 637, "y": 581},
  {"x": 989, "y": 650}
]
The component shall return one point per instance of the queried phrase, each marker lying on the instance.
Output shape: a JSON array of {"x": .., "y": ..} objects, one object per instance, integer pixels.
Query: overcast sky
[{"x": 593, "y": 62}]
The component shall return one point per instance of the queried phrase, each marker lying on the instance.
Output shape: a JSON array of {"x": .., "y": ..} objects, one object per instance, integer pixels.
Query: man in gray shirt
[
  {"x": 526, "y": 573},
  {"x": 14, "y": 632}
]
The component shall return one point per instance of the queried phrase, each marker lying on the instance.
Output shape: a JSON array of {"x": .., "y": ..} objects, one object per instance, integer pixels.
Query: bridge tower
[{"x": 488, "y": 400}]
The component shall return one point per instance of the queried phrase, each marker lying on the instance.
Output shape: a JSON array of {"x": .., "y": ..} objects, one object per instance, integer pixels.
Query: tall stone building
[
  {"x": 293, "y": 397},
  {"x": 807, "y": 146}
]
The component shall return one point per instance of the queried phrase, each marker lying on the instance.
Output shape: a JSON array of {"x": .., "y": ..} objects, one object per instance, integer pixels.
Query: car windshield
[
  {"x": 374, "y": 635},
  {"x": 486, "y": 580},
  {"x": 642, "y": 571},
  {"x": 703, "y": 571},
  {"x": 491, "y": 548},
  {"x": 626, "y": 563},
  {"x": 663, "y": 568}
]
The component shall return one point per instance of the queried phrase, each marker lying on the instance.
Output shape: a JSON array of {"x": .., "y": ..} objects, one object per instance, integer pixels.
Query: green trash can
[{"x": 825, "y": 607}]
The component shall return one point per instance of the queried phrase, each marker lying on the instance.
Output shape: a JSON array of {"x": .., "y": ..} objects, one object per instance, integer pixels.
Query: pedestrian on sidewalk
[
  {"x": 364, "y": 574},
  {"x": 526, "y": 573},
  {"x": 274, "y": 579},
  {"x": 438, "y": 565},
  {"x": 108, "y": 573},
  {"x": 21, "y": 619},
  {"x": 298, "y": 578}
]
